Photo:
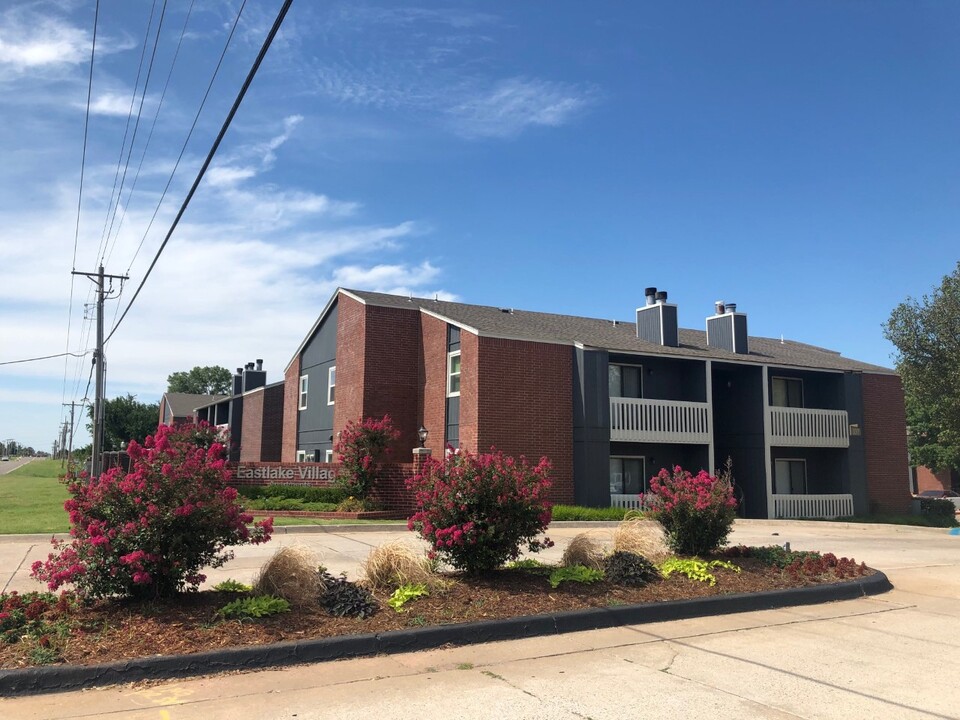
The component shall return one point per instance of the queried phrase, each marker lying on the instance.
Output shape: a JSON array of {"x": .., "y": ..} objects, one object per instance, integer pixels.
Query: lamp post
[{"x": 422, "y": 434}]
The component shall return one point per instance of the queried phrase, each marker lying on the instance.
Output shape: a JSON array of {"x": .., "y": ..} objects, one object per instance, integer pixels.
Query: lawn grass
[
  {"x": 31, "y": 499},
  {"x": 282, "y": 521}
]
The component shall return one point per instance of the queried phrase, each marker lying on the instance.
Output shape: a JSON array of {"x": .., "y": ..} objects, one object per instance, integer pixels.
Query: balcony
[
  {"x": 802, "y": 427},
  {"x": 660, "y": 421},
  {"x": 812, "y": 506}
]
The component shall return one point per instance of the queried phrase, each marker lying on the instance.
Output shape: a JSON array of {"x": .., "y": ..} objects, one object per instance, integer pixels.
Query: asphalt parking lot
[{"x": 890, "y": 656}]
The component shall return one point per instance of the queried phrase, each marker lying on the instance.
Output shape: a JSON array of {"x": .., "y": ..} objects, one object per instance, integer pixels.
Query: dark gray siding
[
  {"x": 315, "y": 427},
  {"x": 738, "y": 431},
  {"x": 821, "y": 390},
  {"x": 669, "y": 378},
  {"x": 591, "y": 428},
  {"x": 720, "y": 332},
  {"x": 690, "y": 457},
  {"x": 855, "y": 461}
]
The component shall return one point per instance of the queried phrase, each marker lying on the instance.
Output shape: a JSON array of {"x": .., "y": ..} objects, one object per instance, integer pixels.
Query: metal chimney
[
  {"x": 657, "y": 320},
  {"x": 727, "y": 329},
  {"x": 650, "y": 294}
]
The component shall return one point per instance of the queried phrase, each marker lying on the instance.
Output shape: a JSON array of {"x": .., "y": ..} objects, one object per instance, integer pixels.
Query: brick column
[{"x": 420, "y": 457}]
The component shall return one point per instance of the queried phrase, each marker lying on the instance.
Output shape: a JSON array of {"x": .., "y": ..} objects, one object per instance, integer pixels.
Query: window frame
[
  {"x": 301, "y": 456},
  {"x": 450, "y": 373},
  {"x": 304, "y": 392},
  {"x": 790, "y": 460},
  {"x": 785, "y": 379},
  {"x": 643, "y": 472},
  {"x": 328, "y": 456},
  {"x": 639, "y": 377},
  {"x": 331, "y": 384}
]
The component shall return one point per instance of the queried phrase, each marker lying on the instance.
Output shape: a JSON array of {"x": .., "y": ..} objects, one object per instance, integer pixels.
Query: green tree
[
  {"x": 208, "y": 380},
  {"x": 126, "y": 419},
  {"x": 927, "y": 336}
]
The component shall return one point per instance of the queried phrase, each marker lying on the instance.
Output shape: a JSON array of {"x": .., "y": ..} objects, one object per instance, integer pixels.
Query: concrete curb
[{"x": 65, "y": 678}]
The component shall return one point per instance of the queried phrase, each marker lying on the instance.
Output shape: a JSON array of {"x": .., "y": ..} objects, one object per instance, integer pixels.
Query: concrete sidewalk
[{"x": 892, "y": 656}]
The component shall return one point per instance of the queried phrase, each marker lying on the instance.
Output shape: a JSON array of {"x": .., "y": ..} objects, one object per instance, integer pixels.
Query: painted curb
[{"x": 63, "y": 678}]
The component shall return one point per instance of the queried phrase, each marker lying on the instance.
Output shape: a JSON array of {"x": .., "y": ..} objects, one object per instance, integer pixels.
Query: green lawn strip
[
  {"x": 31, "y": 499},
  {"x": 282, "y": 521}
]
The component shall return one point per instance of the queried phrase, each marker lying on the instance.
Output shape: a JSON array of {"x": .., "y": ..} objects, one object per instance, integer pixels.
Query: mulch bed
[{"x": 124, "y": 629}]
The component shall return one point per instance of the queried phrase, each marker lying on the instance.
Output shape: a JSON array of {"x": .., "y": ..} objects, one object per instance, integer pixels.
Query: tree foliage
[
  {"x": 207, "y": 380},
  {"x": 926, "y": 334},
  {"x": 125, "y": 419}
]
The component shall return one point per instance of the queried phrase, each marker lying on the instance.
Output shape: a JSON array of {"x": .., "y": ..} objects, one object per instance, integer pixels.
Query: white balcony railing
[
  {"x": 627, "y": 502},
  {"x": 802, "y": 427},
  {"x": 812, "y": 506},
  {"x": 666, "y": 421}
]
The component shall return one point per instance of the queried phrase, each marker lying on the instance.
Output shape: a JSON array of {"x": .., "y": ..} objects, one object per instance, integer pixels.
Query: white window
[
  {"x": 787, "y": 392},
  {"x": 331, "y": 384},
  {"x": 627, "y": 475},
  {"x": 625, "y": 381},
  {"x": 789, "y": 476},
  {"x": 301, "y": 455},
  {"x": 328, "y": 457},
  {"x": 303, "y": 391},
  {"x": 453, "y": 373}
]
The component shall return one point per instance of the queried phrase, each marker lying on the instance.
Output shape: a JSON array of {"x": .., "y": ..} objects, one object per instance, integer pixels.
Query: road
[
  {"x": 13, "y": 464},
  {"x": 893, "y": 656}
]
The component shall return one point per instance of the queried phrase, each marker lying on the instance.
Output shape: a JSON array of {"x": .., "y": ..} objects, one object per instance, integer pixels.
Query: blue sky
[{"x": 799, "y": 158}]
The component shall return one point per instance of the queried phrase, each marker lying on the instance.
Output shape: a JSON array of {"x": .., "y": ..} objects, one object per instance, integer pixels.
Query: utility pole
[
  {"x": 72, "y": 405},
  {"x": 99, "y": 279}
]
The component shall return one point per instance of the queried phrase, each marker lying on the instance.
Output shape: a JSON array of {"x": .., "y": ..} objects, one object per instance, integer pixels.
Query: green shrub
[
  {"x": 578, "y": 512},
  {"x": 531, "y": 566},
  {"x": 231, "y": 585},
  {"x": 306, "y": 494},
  {"x": 574, "y": 573},
  {"x": 626, "y": 568},
  {"x": 939, "y": 511},
  {"x": 342, "y": 598},
  {"x": 405, "y": 593},
  {"x": 278, "y": 503},
  {"x": 697, "y": 512},
  {"x": 352, "y": 504},
  {"x": 695, "y": 569},
  {"x": 249, "y": 608},
  {"x": 772, "y": 555}
]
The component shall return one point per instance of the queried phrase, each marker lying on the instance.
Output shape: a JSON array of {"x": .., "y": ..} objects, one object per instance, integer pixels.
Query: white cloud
[
  {"x": 512, "y": 105},
  {"x": 114, "y": 104},
  {"x": 48, "y": 42},
  {"x": 227, "y": 175}
]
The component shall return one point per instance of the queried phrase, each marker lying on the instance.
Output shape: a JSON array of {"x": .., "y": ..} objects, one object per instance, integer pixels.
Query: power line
[
  {"x": 183, "y": 148},
  {"x": 213, "y": 150},
  {"x": 83, "y": 163},
  {"x": 153, "y": 126},
  {"x": 136, "y": 127},
  {"x": 45, "y": 357},
  {"x": 126, "y": 129}
]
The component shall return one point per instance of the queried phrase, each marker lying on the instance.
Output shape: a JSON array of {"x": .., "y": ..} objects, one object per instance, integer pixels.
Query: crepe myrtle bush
[
  {"x": 478, "y": 510},
  {"x": 148, "y": 532},
  {"x": 697, "y": 511},
  {"x": 362, "y": 448}
]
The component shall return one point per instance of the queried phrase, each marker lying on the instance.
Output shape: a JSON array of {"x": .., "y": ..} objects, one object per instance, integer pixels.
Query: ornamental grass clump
[
  {"x": 697, "y": 511},
  {"x": 291, "y": 574},
  {"x": 641, "y": 536},
  {"x": 477, "y": 510},
  {"x": 583, "y": 550},
  {"x": 394, "y": 564},
  {"x": 148, "y": 531}
]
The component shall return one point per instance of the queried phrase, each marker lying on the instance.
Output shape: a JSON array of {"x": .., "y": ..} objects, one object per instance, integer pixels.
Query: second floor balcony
[
  {"x": 806, "y": 427},
  {"x": 659, "y": 421}
]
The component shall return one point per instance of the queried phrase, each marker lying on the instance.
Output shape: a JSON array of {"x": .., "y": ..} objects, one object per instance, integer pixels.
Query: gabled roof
[
  {"x": 184, "y": 404},
  {"x": 619, "y": 336}
]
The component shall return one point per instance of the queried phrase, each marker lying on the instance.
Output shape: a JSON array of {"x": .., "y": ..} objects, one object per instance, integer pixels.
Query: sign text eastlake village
[{"x": 273, "y": 472}]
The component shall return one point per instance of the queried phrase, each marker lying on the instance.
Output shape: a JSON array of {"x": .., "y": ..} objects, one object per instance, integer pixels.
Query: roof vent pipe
[
  {"x": 731, "y": 307},
  {"x": 650, "y": 292},
  {"x": 259, "y": 364},
  {"x": 719, "y": 307},
  {"x": 661, "y": 297},
  {"x": 248, "y": 366}
]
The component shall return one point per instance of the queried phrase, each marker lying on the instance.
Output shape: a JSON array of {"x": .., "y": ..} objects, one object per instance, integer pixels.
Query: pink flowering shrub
[
  {"x": 697, "y": 511},
  {"x": 477, "y": 510},
  {"x": 149, "y": 531},
  {"x": 362, "y": 448}
]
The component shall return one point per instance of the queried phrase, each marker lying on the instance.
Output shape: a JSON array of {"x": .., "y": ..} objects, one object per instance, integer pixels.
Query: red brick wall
[
  {"x": 251, "y": 432},
  {"x": 433, "y": 381},
  {"x": 885, "y": 443},
  {"x": 291, "y": 401},
  {"x": 469, "y": 388},
  {"x": 524, "y": 403},
  {"x": 351, "y": 360},
  {"x": 391, "y": 371},
  {"x": 927, "y": 479}
]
